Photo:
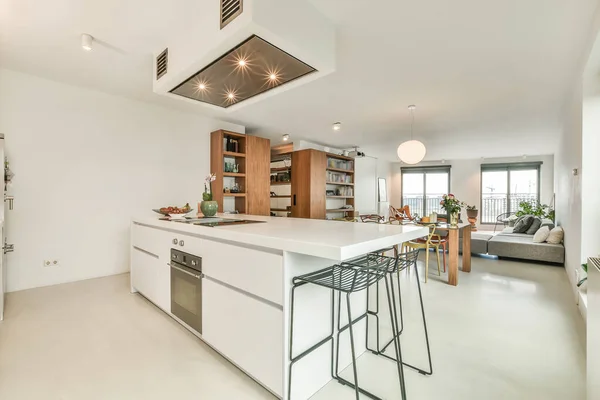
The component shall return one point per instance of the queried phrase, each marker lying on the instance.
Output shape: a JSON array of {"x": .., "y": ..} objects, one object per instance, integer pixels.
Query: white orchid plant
[{"x": 207, "y": 195}]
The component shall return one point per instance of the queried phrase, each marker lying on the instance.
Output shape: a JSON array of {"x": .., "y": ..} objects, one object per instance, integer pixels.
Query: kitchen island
[{"x": 245, "y": 283}]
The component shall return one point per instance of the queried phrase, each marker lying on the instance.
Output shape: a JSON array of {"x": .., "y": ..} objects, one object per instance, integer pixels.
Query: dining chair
[
  {"x": 402, "y": 213},
  {"x": 443, "y": 242},
  {"x": 431, "y": 241},
  {"x": 372, "y": 218}
]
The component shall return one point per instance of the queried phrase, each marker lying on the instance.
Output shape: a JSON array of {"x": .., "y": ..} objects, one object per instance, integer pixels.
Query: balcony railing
[
  {"x": 491, "y": 205},
  {"x": 415, "y": 202},
  {"x": 495, "y": 204}
]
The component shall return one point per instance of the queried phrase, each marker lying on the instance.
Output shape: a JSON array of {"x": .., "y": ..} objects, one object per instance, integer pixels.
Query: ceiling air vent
[
  {"x": 162, "y": 61},
  {"x": 230, "y": 9}
]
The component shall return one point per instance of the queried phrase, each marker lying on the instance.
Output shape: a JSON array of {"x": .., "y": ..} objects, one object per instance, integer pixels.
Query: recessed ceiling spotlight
[
  {"x": 242, "y": 62},
  {"x": 202, "y": 86},
  {"x": 230, "y": 95},
  {"x": 286, "y": 137},
  {"x": 273, "y": 77},
  {"x": 86, "y": 42},
  {"x": 337, "y": 126}
]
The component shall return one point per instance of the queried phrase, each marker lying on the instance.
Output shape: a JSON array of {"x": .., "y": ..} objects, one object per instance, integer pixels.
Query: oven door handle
[{"x": 186, "y": 272}]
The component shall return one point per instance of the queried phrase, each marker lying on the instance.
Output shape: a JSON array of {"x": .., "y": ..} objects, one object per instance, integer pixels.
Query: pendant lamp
[{"x": 412, "y": 151}]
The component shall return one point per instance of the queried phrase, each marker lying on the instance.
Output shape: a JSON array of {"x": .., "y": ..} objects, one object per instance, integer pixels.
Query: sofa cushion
[
  {"x": 547, "y": 222},
  {"x": 523, "y": 247},
  {"x": 479, "y": 242},
  {"x": 556, "y": 235},
  {"x": 541, "y": 235},
  {"x": 523, "y": 224},
  {"x": 535, "y": 225}
]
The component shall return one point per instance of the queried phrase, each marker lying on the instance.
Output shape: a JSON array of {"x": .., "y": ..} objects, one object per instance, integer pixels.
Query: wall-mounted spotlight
[
  {"x": 86, "y": 42},
  {"x": 337, "y": 126},
  {"x": 286, "y": 137}
]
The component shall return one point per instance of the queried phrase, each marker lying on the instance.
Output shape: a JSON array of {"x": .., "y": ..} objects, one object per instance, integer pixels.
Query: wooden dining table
[{"x": 453, "y": 242}]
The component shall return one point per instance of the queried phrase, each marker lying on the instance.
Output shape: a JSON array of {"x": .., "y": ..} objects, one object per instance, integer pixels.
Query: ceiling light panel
[{"x": 252, "y": 68}]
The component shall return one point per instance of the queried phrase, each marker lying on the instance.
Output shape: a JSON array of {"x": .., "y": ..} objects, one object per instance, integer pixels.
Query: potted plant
[
  {"x": 208, "y": 206},
  {"x": 472, "y": 214},
  {"x": 452, "y": 206}
]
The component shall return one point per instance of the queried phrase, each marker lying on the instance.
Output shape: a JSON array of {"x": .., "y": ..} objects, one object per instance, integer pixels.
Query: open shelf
[
  {"x": 280, "y": 210},
  {"x": 339, "y": 157},
  {"x": 280, "y": 169},
  {"x": 234, "y": 174},
  {"x": 289, "y": 196},
  {"x": 340, "y": 197},
  {"x": 339, "y": 183},
  {"x": 350, "y": 172},
  {"x": 233, "y": 154},
  {"x": 280, "y": 183},
  {"x": 234, "y": 194}
]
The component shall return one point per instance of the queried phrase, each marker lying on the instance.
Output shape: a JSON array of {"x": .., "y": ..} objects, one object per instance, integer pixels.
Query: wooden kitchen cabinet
[
  {"x": 308, "y": 184},
  {"x": 252, "y": 157}
]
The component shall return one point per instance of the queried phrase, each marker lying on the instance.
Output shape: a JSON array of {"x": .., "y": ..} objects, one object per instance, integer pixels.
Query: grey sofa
[{"x": 517, "y": 245}]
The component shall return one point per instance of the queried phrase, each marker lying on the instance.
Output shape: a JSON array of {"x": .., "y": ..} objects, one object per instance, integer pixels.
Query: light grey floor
[{"x": 510, "y": 330}]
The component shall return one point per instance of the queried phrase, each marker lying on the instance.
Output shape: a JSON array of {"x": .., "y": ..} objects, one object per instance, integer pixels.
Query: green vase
[{"x": 209, "y": 208}]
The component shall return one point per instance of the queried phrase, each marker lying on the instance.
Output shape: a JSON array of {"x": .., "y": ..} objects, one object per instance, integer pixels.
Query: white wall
[
  {"x": 365, "y": 187},
  {"x": 85, "y": 162},
  {"x": 568, "y": 186},
  {"x": 465, "y": 178}
]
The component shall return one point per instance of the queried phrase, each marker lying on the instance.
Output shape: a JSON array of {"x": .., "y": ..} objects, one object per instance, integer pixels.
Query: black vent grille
[
  {"x": 162, "y": 62},
  {"x": 230, "y": 9}
]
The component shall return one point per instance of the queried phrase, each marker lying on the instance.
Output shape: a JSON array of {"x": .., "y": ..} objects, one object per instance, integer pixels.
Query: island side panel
[{"x": 312, "y": 323}]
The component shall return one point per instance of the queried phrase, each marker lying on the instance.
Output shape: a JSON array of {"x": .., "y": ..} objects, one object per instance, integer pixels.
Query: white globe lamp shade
[{"x": 412, "y": 152}]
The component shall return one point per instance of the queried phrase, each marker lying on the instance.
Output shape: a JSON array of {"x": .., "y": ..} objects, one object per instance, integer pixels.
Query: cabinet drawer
[
  {"x": 245, "y": 330},
  {"x": 147, "y": 239},
  {"x": 253, "y": 271}
]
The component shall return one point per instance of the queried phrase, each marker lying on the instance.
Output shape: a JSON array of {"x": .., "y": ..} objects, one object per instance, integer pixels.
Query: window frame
[
  {"x": 424, "y": 170},
  {"x": 516, "y": 166}
]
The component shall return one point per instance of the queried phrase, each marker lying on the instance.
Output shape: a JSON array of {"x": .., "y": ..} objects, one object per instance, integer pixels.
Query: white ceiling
[{"x": 488, "y": 77}]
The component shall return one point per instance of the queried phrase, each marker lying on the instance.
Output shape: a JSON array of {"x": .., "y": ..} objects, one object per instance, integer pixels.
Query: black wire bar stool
[
  {"x": 401, "y": 262},
  {"x": 348, "y": 277}
]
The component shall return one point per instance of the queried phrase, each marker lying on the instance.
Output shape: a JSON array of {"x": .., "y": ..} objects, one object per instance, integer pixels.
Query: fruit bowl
[{"x": 174, "y": 212}]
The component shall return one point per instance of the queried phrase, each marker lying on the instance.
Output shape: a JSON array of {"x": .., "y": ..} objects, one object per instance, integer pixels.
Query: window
[
  {"x": 504, "y": 186},
  {"x": 423, "y": 187}
]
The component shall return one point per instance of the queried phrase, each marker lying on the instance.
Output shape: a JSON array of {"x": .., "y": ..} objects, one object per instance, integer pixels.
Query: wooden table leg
[
  {"x": 453, "y": 259},
  {"x": 466, "y": 265}
]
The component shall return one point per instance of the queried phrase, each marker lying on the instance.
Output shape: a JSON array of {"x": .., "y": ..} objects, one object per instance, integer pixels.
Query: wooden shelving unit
[
  {"x": 251, "y": 157},
  {"x": 234, "y": 154},
  {"x": 339, "y": 168},
  {"x": 280, "y": 156},
  {"x": 339, "y": 183}
]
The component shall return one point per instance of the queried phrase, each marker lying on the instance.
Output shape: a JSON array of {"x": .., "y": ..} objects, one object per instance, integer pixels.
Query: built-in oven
[{"x": 186, "y": 288}]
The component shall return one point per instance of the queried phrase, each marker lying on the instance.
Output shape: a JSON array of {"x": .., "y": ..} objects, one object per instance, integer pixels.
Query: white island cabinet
[{"x": 246, "y": 284}]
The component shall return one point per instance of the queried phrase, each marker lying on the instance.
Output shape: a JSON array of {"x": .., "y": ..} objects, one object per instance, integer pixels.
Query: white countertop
[{"x": 334, "y": 240}]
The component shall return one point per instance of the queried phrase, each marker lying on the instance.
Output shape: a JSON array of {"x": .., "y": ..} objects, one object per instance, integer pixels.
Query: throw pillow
[
  {"x": 541, "y": 235},
  {"x": 556, "y": 235},
  {"x": 535, "y": 225},
  {"x": 523, "y": 224}
]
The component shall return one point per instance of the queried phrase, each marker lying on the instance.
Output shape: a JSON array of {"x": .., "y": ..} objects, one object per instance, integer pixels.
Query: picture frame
[{"x": 382, "y": 190}]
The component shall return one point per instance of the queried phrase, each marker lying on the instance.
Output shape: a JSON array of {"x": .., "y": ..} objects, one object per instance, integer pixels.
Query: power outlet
[{"x": 51, "y": 263}]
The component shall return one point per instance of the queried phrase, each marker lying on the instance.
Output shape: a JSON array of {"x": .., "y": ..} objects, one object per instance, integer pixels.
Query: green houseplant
[
  {"x": 208, "y": 206},
  {"x": 535, "y": 208}
]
